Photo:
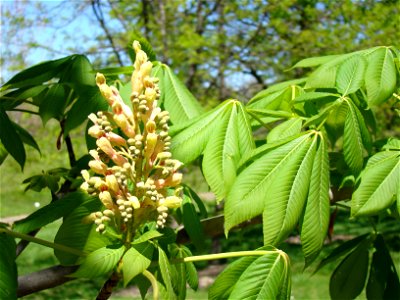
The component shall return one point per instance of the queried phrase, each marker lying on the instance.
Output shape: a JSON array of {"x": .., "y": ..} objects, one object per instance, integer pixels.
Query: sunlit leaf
[
  {"x": 100, "y": 262},
  {"x": 380, "y": 76},
  {"x": 165, "y": 269},
  {"x": 379, "y": 184},
  {"x": 350, "y": 74},
  {"x": 263, "y": 277},
  {"x": 314, "y": 61},
  {"x": 284, "y": 130},
  {"x": 136, "y": 260},
  {"x": 79, "y": 234},
  {"x": 178, "y": 101},
  {"x": 266, "y": 186}
]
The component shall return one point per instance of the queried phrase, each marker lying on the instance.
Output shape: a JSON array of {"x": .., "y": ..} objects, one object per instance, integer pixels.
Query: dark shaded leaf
[{"x": 8, "y": 268}]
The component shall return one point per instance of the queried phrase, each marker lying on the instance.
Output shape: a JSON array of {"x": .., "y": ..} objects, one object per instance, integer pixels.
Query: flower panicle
[{"x": 134, "y": 171}]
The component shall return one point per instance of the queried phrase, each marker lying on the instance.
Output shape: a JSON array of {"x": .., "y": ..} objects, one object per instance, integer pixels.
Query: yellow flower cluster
[{"x": 135, "y": 177}]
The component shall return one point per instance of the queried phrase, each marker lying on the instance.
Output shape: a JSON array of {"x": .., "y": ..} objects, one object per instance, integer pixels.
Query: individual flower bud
[
  {"x": 134, "y": 201},
  {"x": 109, "y": 213},
  {"x": 150, "y": 94},
  {"x": 172, "y": 202},
  {"x": 150, "y": 126},
  {"x": 160, "y": 224},
  {"x": 84, "y": 186},
  {"x": 97, "y": 166},
  {"x": 95, "y": 131},
  {"x": 85, "y": 175},
  {"x": 105, "y": 146},
  {"x": 105, "y": 219},
  {"x": 145, "y": 69},
  {"x": 174, "y": 180},
  {"x": 92, "y": 117},
  {"x": 101, "y": 228},
  {"x": 98, "y": 214},
  {"x": 94, "y": 154},
  {"x": 112, "y": 183},
  {"x": 106, "y": 199},
  {"x": 162, "y": 209},
  {"x": 104, "y": 88},
  {"x": 120, "y": 202},
  {"x": 164, "y": 155},
  {"x": 151, "y": 141},
  {"x": 116, "y": 139},
  {"x": 98, "y": 221}
]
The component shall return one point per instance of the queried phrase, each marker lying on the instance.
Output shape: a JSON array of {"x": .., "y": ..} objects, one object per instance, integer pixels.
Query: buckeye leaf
[
  {"x": 53, "y": 103},
  {"x": 350, "y": 74},
  {"x": 136, "y": 260},
  {"x": 353, "y": 139},
  {"x": 191, "y": 222},
  {"x": 250, "y": 192},
  {"x": 379, "y": 184},
  {"x": 178, "y": 100},
  {"x": 166, "y": 273},
  {"x": 314, "y": 61},
  {"x": 76, "y": 233},
  {"x": 264, "y": 277},
  {"x": 230, "y": 140},
  {"x": 380, "y": 76},
  {"x": 284, "y": 130},
  {"x": 315, "y": 220},
  {"x": 100, "y": 262},
  {"x": 190, "y": 140},
  {"x": 287, "y": 194},
  {"x": 8, "y": 268}
]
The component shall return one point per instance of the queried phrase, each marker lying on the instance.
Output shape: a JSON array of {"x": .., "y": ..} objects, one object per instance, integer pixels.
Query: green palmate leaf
[
  {"x": 192, "y": 224},
  {"x": 8, "y": 268},
  {"x": 225, "y": 282},
  {"x": 325, "y": 75},
  {"x": 116, "y": 71},
  {"x": 230, "y": 139},
  {"x": 189, "y": 141},
  {"x": 89, "y": 101},
  {"x": 380, "y": 76},
  {"x": 166, "y": 273},
  {"x": 287, "y": 195},
  {"x": 278, "y": 101},
  {"x": 315, "y": 220},
  {"x": 266, "y": 186},
  {"x": 382, "y": 268},
  {"x": 144, "y": 45},
  {"x": 196, "y": 199},
  {"x": 79, "y": 72},
  {"x": 177, "y": 99},
  {"x": 284, "y": 130},
  {"x": 350, "y": 74},
  {"x": 355, "y": 136},
  {"x": 265, "y": 277},
  {"x": 314, "y": 61},
  {"x": 51, "y": 212},
  {"x": 341, "y": 250},
  {"x": 38, "y": 74},
  {"x": 335, "y": 122},
  {"x": 10, "y": 139},
  {"x": 77, "y": 233},
  {"x": 379, "y": 184},
  {"x": 100, "y": 262},
  {"x": 53, "y": 103},
  {"x": 12, "y": 98},
  {"x": 348, "y": 279},
  {"x": 314, "y": 96},
  {"x": 136, "y": 260},
  {"x": 26, "y": 137}
]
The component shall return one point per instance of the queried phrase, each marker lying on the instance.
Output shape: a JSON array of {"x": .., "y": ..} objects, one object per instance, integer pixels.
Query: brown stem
[{"x": 108, "y": 286}]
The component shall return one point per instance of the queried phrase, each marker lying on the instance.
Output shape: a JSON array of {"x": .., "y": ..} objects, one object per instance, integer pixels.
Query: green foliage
[
  {"x": 319, "y": 137},
  {"x": 8, "y": 268}
]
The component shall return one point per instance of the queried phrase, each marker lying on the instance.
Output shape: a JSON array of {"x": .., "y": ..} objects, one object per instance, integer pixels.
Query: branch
[
  {"x": 100, "y": 18},
  {"x": 44, "y": 279}
]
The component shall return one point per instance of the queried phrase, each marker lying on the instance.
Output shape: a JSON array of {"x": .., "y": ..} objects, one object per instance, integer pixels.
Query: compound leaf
[
  {"x": 379, "y": 183},
  {"x": 8, "y": 268},
  {"x": 380, "y": 76}
]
